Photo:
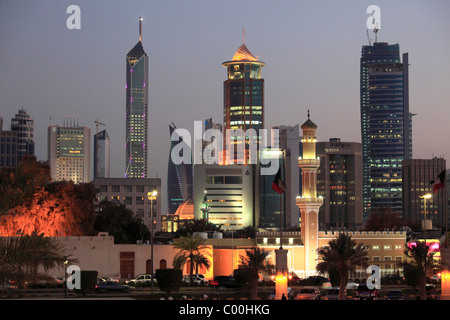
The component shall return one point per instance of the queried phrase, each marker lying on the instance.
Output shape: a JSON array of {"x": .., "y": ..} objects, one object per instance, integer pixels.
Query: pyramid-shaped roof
[
  {"x": 309, "y": 124},
  {"x": 137, "y": 51},
  {"x": 243, "y": 54}
]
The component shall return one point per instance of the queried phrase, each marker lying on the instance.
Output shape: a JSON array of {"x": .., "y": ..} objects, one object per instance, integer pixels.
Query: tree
[
  {"x": 422, "y": 259},
  {"x": 169, "y": 280},
  {"x": 18, "y": 185},
  {"x": 342, "y": 255},
  {"x": 252, "y": 264},
  {"x": 196, "y": 225},
  {"x": 120, "y": 223},
  {"x": 191, "y": 249},
  {"x": 20, "y": 257}
]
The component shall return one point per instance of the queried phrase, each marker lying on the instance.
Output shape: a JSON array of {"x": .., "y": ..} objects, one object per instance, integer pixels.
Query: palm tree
[
  {"x": 422, "y": 260},
  {"x": 20, "y": 257},
  {"x": 191, "y": 249},
  {"x": 342, "y": 255},
  {"x": 255, "y": 261}
]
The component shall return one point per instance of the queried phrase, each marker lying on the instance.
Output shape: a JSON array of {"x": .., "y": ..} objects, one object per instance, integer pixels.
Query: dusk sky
[{"x": 311, "y": 50}]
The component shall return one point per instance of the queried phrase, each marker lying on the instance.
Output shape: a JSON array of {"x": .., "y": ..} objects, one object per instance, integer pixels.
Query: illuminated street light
[{"x": 151, "y": 196}]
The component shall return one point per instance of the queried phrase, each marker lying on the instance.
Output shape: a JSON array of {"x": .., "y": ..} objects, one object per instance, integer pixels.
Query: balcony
[{"x": 309, "y": 163}]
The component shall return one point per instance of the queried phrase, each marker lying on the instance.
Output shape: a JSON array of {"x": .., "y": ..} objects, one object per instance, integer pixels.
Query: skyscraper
[
  {"x": 68, "y": 152},
  {"x": 136, "y": 117},
  {"x": 339, "y": 182},
  {"x": 101, "y": 155},
  {"x": 243, "y": 96},
  {"x": 385, "y": 124},
  {"x": 17, "y": 142},
  {"x": 179, "y": 179},
  {"x": 417, "y": 175}
]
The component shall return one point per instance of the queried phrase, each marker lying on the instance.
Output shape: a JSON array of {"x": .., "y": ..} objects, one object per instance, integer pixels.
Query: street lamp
[
  {"x": 151, "y": 196},
  {"x": 66, "y": 262},
  {"x": 425, "y": 197}
]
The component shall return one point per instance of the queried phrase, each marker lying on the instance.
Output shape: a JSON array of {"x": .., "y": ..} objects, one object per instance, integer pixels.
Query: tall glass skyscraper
[
  {"x": 136, "y": 116},
  {"x": 385, "y": 125},
  {"x": 179, "y": 179},
  {"x": 243, "y": 95}
]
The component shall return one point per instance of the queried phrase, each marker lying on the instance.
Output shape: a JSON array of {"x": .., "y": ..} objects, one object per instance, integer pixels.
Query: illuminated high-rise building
[
  {"x": 136, "y": 116},
  {"x": 179, "y": 178},
  {"x": 68, "y": 152},
  {"x": 243, "y": 97},
  {"x": 385, "y": 124}
]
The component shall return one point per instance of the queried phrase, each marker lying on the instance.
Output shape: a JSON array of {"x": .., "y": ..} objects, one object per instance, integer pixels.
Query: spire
[
  {"x": 243, "y": 36},
  {"x": 140, "y": 29}
]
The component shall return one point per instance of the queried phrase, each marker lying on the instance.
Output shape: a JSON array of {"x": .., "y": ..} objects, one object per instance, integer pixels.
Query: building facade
[
  {"x": 133, "y": 194},
  {"x": 69, "y": 152},
  {"x": 243, "y": 102},
  {"x": 339, "y": 182},
  {"x": 101, "y": 155},
  {"x": 228, "y": 192},
  {"x": 136, "y": 116},
  {"x": 417, "y": 177},
  {"x": 179, "y": 177},
  {"x": 385, "y": 124},
  {"x": 17, "y": 142}
]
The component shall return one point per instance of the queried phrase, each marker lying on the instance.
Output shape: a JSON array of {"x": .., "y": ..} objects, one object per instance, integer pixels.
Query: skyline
[{"x": 311, "y": 52}]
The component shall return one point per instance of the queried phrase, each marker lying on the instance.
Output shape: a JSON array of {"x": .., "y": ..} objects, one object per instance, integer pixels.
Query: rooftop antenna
[
  {"x": 368, "y": 37},
  {"x": 375, "y": 29},
  {"x": 140, "y": 29}
]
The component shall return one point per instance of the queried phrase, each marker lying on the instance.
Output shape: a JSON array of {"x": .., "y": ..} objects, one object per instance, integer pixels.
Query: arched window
[{"x": 162, "y": 264}]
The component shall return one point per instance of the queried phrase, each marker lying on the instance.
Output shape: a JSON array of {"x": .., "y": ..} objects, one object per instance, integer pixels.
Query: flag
[
  {"x": 278, "y": 185},
  {"x": 438, "y": 184}
]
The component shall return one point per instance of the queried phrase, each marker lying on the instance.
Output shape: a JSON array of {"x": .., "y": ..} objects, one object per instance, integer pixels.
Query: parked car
[
  {"x": 313, "y": 281},
  {"x": 392, "y": 279},
  {"x": 395, "y": 295},
  {"x": 333, "y": 294},
  {"x": 308, "y": 293},
  {"x": 351, "y": 285},
  {"x": 141, "y": 279},
  {"x": 223, "y": 281},
  {"x": 364, "y": 293},
  {"x": 430, "y": 290},
  {"x": 105, "y": 278},
  {"x": 290, "y": 294},
  {"x": 111, "y": 286},
  {"x": 196, "y": 279}
]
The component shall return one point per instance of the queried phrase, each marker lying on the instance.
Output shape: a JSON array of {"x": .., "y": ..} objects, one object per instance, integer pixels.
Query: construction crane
[{"x": 97, "y": 123}]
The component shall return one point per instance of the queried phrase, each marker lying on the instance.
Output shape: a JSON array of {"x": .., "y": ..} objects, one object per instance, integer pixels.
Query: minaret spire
[{"x": 140, "y": 29}]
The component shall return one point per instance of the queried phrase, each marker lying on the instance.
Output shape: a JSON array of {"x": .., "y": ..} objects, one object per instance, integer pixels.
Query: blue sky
[{"x": 311, "y": 50}]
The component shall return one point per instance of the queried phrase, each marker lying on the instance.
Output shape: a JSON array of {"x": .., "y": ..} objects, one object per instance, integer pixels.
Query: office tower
[
  {"x": 17, "y": 142},
  {"x": 339, "y": 182},
  {"x": 228, "y": 193},
  {"x": 136, "y": 117},
  {"x": 385, "y": 124},
  {"x": 68, "y": 152},
  {"x": 287, "y": 158},
  {"x": 179, "y": 177},
  {"x": 101, "y": 155},
  {"x": 309, "y": 202},
  {"x": 133, "y": 194},
  {"x": 271, "y": 203},
  {"x": 243, "y": 101},
  {"x": 417, "y": 177}
]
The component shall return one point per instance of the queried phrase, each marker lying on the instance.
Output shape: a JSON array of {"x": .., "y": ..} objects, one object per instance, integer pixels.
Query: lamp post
[
  {"x": 425, "y": 197},
  {"x": 151, "y": 196},
  {"x": 66, "y": 261}
]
